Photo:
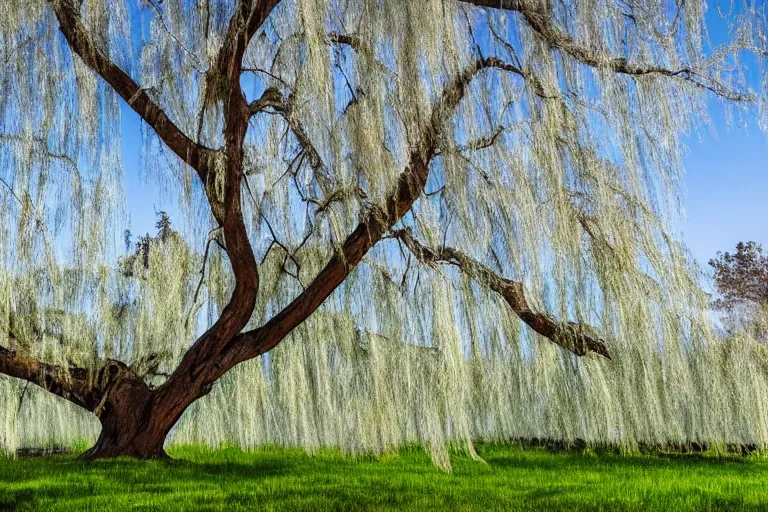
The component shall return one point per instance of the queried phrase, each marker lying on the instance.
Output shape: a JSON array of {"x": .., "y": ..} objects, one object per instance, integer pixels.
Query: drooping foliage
[{"x": 551, "y": 132}]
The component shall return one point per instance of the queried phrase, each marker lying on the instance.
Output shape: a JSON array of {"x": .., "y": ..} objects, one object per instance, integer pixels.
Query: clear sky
[
  {"x": 726, "y": 196},
  {"x": 727, "y": 190}
]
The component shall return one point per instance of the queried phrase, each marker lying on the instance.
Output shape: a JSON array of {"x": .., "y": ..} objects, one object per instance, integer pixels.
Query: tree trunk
[
  {"x": 135, "y": 420},
  {"x": 122, "y": 437},
  {"x": 130, "y": 425}
]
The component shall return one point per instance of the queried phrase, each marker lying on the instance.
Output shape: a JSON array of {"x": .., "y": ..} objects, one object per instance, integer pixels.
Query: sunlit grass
[{"x": 284, "y": 479}]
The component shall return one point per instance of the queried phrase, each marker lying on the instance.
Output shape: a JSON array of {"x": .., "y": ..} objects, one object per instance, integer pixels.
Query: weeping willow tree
[{"x": 436, "y": 221}]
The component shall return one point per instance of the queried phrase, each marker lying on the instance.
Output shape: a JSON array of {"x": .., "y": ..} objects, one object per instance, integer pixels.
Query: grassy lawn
[{"x": 280, "y": 479}]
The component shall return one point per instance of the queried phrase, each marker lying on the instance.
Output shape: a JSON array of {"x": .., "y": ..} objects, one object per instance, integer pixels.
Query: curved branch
[
  {"x": 574, "y": 337},
  {"x": 70, "y": 383},
  {"x": 254, "y": 343},
  {"x": 483, "y": 142},
  {"x": 249, "y": 17},
  {"x": 81, "y": 43},
  {"x": 410, "y": 186},
  {"x": 271, "y": 97},
  {"x": 530, "y": 78},
  {"x": 200, "y": 366},
  {"x": 540, "y": 20},
  {"x": 86, "y": 388}
]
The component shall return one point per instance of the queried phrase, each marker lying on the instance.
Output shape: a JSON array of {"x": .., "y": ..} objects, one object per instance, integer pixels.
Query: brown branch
[
  {"x": 357, "y": 244},
  {"x": 572, "y": 336},
  {"x": 271, "y": 97},
  {"x": 410, "y": 186},
  {"x": 70, "y": 383},
  {"x": 86, "y": 388},
  {"x": 81, "y": 43},
  {"x": 247, "y": 20},
  {"x": 483, "y": 142},
  {"x": 540, "y": 20},
  {"x": 530, "y": 78},
  {"x": 201, "y": 365}
]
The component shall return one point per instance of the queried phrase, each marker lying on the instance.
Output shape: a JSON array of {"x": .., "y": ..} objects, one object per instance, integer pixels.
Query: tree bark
[
  {"x": 574, "y": 337},
  {"x": 124, "y": 426},
  {"x": 134, "y": 423},
  {"x": 126, "y": 416}
]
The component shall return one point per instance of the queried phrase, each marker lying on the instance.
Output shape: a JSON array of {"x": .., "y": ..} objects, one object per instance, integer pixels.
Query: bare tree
[{"x": 513, "y": 140}]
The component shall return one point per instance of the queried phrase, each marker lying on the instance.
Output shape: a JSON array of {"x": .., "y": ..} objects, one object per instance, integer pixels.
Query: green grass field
[{"x": 278, "y": 479}]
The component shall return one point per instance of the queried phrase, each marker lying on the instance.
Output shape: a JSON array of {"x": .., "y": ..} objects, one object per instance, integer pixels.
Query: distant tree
[
  {"x": 127, "y": 239},
  {"x": 741, "y": 279},
  {"x": 145, "y": 244},
  {"x": 163, "y": 226},
  {"x": 525, "y": 145}
]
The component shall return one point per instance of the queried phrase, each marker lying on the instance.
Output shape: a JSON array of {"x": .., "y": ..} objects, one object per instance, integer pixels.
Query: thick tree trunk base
[
  {"x": 110, "y": 450},
  {"x": 130, "y": 427}
]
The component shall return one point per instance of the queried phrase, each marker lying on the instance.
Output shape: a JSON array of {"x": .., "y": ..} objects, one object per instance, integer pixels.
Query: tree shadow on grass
[
  {"x": 541, "y": 459},
  {"x": 16, "y": 500},
  {"x": 61, "y": 479}
]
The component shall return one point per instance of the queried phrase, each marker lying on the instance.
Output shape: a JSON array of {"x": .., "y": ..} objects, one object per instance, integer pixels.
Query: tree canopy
[{"x": 463, "y": 215}]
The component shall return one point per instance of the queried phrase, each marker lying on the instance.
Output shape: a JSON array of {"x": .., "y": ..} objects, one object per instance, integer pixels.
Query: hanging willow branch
[
  {"x": 139, "y": 100},
  {"x": 539, "y": 18},
  {"x": 574, "y": 337},
  {"x": 410, "y": 186}
]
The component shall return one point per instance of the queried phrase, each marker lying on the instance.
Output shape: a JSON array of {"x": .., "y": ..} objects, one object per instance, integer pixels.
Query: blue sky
[
  {"x": 727, "y": 189},
  {"x": 726, "y": 180}
]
